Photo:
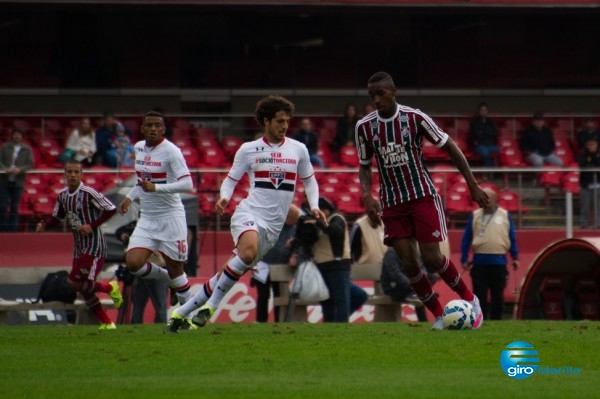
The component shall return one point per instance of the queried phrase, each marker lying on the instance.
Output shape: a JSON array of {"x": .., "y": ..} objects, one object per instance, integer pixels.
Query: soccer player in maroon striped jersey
[
  {"x": 410, "y": 208},
  {"x": 86, "y": 210}
]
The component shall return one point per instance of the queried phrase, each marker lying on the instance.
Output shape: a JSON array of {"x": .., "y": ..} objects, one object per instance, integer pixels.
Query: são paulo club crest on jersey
[{"x": 277, "y": 177}]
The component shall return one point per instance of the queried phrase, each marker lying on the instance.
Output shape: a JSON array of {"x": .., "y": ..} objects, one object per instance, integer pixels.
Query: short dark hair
[
  {"x": 73, "y": 161},
  {"x": 268, "y": 106},
  {"x": 17, "y": 130},
  {"x": 538, "y": 115},
  {"x": 153, "y": 113},
  {"x": 381, "y": 77}
]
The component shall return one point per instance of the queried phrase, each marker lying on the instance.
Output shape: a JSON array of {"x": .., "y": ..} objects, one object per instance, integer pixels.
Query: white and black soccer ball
[{"x": 458, "y": 315}]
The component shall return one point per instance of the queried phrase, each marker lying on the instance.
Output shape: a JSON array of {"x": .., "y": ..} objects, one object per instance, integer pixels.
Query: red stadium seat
[
  {"x": 328, "y": 190},
  {"x": 570, "y": 183},
  {"x": 230, "y": 145},
  {"x": 507, "y": 142},
  {"x": 192, "y": 159},
  {"x": 333, "y": 179},
  {"x": 489, "y": 185},
  {"x": 458, "y": 204},
  {"x": 181, "y": 141},
  {"x": 208, "y": 182},
  {"x": 94, "y": 180},
  {"x": 349, "y": 156},
  {"x": 204, "y": 142},
  {"x": 433, "y": 153},
  {"x": 349, "y": 204},
  {"x": 565, "y": 154},
  {"x": 511, "y": 157},
  {"x": 459, "y": 187},
  {"x": 207, "y": 203},
  {"x": 43, "y": 205},
  {"x": 510, "y": 201},
  {"x": 326, "y": 156},
  {"x": 213, "y": 157}
]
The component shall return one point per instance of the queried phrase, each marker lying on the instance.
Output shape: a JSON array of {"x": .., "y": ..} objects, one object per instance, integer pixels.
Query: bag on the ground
[
  {"x": 309, "y": 284},
  {"x": 56, "y": 288}
]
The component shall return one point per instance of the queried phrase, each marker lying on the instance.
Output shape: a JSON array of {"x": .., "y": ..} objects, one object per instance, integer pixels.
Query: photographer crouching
[{"x": 329, "y": 248}]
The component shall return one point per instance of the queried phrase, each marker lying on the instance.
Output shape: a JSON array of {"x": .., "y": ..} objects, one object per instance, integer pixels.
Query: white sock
[
  {"x": 232, "y": 273},
  {"x": 181, "y": 285},
  {"x": 152, "y": 271},
  {"x": 199, "y": 299}
]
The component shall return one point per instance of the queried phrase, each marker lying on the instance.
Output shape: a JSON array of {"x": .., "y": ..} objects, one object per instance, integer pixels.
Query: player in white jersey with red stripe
[
  {"x": 162, "y": 174},
  {"x": 273, "y": 163},
  {"x": 411, "y": 210}
]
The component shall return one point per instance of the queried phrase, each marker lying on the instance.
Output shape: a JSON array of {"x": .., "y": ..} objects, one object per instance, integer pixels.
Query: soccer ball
[{"x": 458, "y": 315}]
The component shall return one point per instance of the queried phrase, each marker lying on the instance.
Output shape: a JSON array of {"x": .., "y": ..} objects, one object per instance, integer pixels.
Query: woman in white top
[{"x": 83, "y": 142}]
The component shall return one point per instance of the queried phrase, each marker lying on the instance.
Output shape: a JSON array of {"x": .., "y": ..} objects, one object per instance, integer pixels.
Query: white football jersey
[
  {"x": 163, "y": 163},
  {"x": 273, "y": 171}
]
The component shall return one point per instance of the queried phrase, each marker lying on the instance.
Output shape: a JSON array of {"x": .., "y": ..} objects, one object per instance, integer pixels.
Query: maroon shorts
[
  {"x": 422, "y": 218},
  {"x": 86, "y": 267}
]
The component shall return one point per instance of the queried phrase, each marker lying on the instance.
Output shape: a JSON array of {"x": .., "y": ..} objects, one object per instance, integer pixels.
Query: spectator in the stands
[
  {"x": 16, "y": 158},
  {"x": 367, "y": 109},
  {"x": 82, "y": 142},
  {"x": 106, "y": 153},
  {"x": 123, "y": 147},
  {"x": 589, "y": 131},
  {"x": 537, "y": 141},
  {"x": 589, "y": 183},
  {"x": 483, "y": 136},
  {"x": 345, "y": 128},
  {"x": 310, "y": 138}
]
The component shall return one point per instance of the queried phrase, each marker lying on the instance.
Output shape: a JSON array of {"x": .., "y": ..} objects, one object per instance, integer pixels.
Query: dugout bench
[
  {"x": 386, "y": 309},
  {"x": 35, "y": 275}
]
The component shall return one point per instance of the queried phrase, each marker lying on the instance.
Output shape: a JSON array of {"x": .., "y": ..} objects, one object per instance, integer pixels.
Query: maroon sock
[
  {"x": 103, "y": 287},
  {"x": 422, "y": 287},
  {"x": 95, "y": 307},
  {"x": 450, "y": 275}
]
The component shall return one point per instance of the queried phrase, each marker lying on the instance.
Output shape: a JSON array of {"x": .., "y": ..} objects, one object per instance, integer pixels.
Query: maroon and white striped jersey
[
  {"x": 83, "y": 206},
  {"x": 396, "y": 144}
]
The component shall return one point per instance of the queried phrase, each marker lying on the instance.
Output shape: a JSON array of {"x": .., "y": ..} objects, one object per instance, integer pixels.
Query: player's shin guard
[
  {"x": 232, "y": 273},
  {"x": 450, "y": 275},
  {"x": 181, "y": 285},
  {"x": 422, "y": 287},
  {"x": 200, "y": 298}
]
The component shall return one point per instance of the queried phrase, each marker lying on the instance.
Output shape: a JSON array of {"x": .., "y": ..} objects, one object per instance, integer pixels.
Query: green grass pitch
[{"x": 362, "y": 360}]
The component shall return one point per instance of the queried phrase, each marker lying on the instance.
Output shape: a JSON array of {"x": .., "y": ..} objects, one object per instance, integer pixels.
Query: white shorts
[
  {"x": 164, "y": 235},
  {"x": 243, "y": 221}
]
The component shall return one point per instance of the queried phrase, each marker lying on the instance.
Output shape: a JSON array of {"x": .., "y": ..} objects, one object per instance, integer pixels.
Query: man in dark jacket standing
[{"x": 16, "y": 158}]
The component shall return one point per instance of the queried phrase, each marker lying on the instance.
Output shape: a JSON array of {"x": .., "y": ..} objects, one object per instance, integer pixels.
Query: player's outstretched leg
[{"x": 231, "y": 274}]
